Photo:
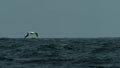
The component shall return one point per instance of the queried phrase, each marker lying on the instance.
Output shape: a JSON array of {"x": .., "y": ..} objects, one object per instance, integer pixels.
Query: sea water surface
[{"x": 60, "y": 53}]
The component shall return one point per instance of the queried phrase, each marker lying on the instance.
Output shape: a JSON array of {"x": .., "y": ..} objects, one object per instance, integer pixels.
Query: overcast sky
[{"x": 60, "y": 18}]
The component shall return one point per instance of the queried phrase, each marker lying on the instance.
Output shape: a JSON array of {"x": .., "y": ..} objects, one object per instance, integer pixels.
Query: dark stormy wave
[{"x": 60, "y": 53}]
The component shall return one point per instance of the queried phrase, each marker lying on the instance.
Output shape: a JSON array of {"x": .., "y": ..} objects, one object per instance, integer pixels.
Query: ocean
[{"x": 60, "y": 53}]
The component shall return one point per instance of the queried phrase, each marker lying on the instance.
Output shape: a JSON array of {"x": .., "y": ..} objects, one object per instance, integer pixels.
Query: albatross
[{"x": 31, "y": 33}]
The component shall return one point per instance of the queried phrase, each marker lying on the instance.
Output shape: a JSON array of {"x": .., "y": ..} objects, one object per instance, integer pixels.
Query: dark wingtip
[
  {"x": 26, "y": 36},
  {"x": 36, "y": 34}
]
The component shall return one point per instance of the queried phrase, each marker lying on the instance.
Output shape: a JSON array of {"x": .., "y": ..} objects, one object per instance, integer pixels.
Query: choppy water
[{"x": 60, "y": 53}]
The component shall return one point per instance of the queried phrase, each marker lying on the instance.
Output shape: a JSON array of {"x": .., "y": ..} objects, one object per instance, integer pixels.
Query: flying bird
[{"x": 31, "y": 33}]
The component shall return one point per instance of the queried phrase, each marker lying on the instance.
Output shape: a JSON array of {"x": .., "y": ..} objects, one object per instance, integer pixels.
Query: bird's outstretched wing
[
  {"x": 36, "y": 34},
  {"x": 26, "y": 35}
]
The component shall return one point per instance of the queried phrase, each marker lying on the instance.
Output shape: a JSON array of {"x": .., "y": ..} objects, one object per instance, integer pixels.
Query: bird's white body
[{"x": 31, "y": 33}]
